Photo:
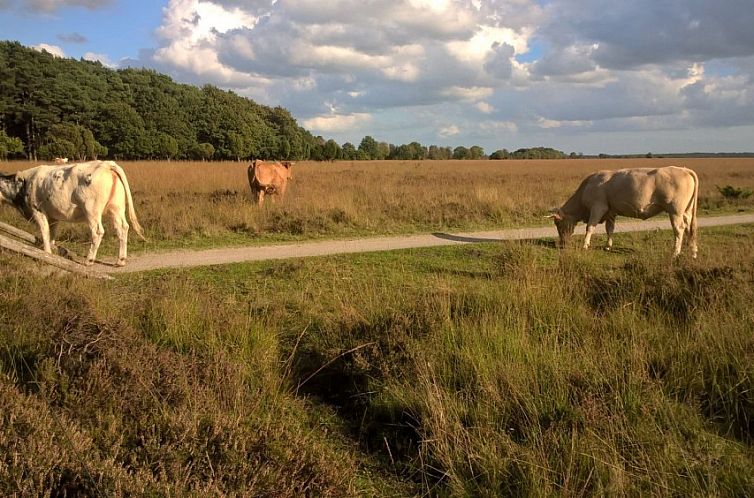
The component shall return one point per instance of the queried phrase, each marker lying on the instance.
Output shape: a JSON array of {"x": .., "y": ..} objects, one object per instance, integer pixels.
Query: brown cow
[
  {"x": 636, "y": 193},
  {"x": 269, "y": 177}
]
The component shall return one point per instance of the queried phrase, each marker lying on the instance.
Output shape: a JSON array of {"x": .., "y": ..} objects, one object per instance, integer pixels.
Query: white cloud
[
  {"x": 497, "y": 127},
  {"x": 449, "y": 131},
  {"x": 337, "y": 123},
  {"x": 484, "y": 107},
  {"x": 103, "y": 58},
  {"x": 552, "y": 123},
  {"x": 52, "y": 49},
  {"x": 472, "y": 93}
]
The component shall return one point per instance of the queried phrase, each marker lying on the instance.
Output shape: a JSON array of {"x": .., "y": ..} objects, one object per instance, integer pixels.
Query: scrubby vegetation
[{"x": 500, "y": 369}]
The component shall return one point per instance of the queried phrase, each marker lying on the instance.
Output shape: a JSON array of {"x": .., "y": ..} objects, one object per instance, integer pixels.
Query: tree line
[
  {"x": 371, "y": 149},
  {"x": 60, "y": 107}
]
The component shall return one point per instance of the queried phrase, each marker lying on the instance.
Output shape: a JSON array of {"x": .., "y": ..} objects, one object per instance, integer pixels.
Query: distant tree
[
  {"x": 10, "y": 146},
  {"x": 476, "y": 152},
  {"x": 538, "y": 153},
  {"x": 460, "y": 152},
  {"x": 203, "y": 151},
  {"x": 331, "y": 150},
  {"x": 368, "y": 147},
  {"x": 348, "y": 151},
  {"x": 439, "y": 153},
  {"x": 383, "y": 150},
  {"x": 500, "y": 154},
  {"x": 167, "y": 146}
]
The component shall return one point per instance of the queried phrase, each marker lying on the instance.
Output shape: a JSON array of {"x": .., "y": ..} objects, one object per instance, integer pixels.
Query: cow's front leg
[
  {"x": 97, "y": 231},
  {"x": 596, "y": 214},
  {"x": 44, "y": 229}
]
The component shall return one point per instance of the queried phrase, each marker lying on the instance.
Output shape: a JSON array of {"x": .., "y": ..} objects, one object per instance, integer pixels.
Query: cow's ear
[{"x": 287, "y": 164}]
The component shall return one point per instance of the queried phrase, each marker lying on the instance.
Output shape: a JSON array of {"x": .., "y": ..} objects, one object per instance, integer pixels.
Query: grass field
[
  {"x": 209, "y": 204},
  {"x": 499, "y": 369},
  {"x": 508, "y": 369}
]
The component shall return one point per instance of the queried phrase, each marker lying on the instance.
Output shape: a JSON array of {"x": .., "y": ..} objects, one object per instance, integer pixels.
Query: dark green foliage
[
  {"x": 80, "y": 109},
  {"x": 538, "y": 153},
  {"x": 731, "y": 192}
]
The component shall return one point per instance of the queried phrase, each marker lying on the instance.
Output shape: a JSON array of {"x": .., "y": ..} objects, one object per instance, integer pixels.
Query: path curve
[{"x": 226, "y": 255}]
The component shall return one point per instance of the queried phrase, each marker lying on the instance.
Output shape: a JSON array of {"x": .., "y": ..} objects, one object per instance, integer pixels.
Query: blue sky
[{"x": 580, "y": 75}]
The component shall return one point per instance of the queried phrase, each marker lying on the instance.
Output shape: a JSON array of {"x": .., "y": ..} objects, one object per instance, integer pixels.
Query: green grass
[{"x": 494, "y": 369}]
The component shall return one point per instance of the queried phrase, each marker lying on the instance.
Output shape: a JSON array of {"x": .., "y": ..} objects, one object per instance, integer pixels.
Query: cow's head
[
  {"x": 288, "y": 168},
  {"x": 12, "y": 190},
  {"x": 565, "y": 225}
]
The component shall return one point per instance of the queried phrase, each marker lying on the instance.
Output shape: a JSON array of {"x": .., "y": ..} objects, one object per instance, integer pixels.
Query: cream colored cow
[
  {"x": 77, "y": 193},
  {"x": 635, "y": 193}
]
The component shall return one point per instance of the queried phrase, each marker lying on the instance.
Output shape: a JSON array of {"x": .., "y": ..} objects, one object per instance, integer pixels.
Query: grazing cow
[
  {"x": 269, "y": 178},
  {"x": 636, "y": 193},
  {"x": 78, "y": 193},
  {"x": 61, "y": 160}
]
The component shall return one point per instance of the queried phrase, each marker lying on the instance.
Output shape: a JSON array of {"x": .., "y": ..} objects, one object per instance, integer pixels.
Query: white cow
[
  {"x": 636, "y": 193},
  {"x": 61, "y": 160},
  {"x": 78, "y": 193}
]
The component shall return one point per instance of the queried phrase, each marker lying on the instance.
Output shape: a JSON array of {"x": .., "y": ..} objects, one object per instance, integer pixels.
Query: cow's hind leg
[
  {"x": 691, "y": 233},
  {"x": 597, "y": 213},
  {"x": 610, "y": 228},
  {"x": 677, "y": 222},
  {"x": 97, "y": 231},
  {"x": 260, "y": 197},
  {"x": 121, "y": 230}
]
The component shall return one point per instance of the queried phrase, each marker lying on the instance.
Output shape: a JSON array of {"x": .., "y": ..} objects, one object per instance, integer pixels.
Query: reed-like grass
[{"x": 198, "y": 204}]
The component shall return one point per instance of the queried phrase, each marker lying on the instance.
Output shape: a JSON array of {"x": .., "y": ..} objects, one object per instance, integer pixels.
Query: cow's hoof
[
  {"x": 89, "y": 262},
  {"x": 121, "y": 262}
]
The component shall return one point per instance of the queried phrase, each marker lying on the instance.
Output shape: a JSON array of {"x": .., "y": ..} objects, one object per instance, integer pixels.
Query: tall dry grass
[{"x": 197, "y": 203}]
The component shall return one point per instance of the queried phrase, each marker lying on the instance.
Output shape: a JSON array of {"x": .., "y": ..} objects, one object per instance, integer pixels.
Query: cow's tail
[
  {"x": 693, "y": 228},
  {"x": 129, "y": 200}
]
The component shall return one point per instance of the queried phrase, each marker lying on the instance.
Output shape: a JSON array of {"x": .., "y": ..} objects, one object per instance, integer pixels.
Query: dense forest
[
  {"x": 61, "y": 107},
  {"x": 52, "y": 106}
]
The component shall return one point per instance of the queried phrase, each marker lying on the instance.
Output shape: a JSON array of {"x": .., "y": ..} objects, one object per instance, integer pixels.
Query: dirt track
[{"x": 188, "y": 258}]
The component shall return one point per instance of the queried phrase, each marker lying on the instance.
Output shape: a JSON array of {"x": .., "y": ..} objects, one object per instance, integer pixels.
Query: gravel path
[{"x": 225, "y": 255}]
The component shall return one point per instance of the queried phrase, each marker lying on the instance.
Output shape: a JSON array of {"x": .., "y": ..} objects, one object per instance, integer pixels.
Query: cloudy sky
[{"x": 588, "y": 76}]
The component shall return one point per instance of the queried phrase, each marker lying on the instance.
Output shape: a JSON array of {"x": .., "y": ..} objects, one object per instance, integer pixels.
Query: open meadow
[
  {"x": 202, "y": 204},
  {"x": 497, "y": 369}
]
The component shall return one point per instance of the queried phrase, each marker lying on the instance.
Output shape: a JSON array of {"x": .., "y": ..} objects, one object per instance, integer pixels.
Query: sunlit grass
[{"x": 198, "y": 204}]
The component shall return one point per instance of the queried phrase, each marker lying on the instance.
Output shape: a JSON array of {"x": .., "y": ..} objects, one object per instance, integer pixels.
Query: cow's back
[
  {"x": 640, "y": 192},
  {"x": 268, "y": 174},
  {"x": 64, "y": 192}
]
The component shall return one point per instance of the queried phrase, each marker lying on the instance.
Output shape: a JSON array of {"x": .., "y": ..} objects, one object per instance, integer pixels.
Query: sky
[{"x": 589, "y": 76}]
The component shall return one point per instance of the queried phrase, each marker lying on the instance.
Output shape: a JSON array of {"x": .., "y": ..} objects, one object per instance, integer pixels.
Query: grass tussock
[
  {"x": 189, "y": 404},
  {"x": 198, "y": 204}
]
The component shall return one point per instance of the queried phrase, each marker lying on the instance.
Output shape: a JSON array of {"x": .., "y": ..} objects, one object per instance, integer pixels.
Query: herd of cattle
[{"x": 84, "y": 192}]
